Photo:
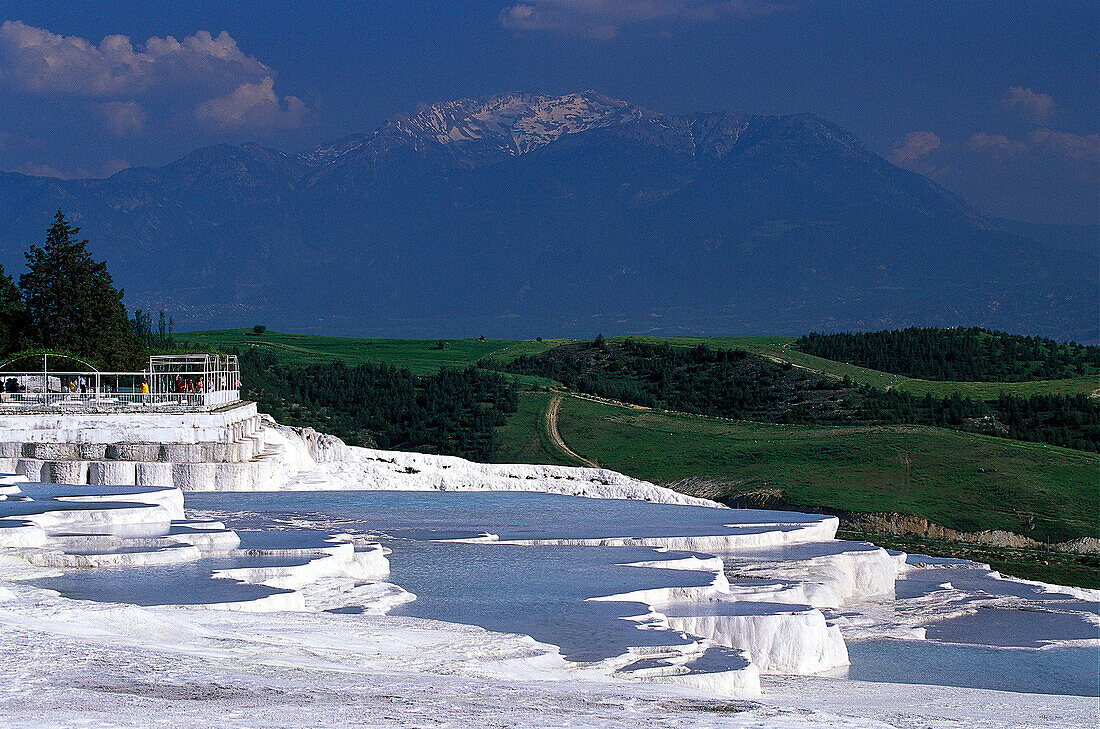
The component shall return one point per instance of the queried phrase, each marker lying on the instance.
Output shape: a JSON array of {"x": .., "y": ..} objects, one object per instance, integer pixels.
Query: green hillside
[
  {"x": 782, "y": 349},
  {"x": 421, "y": 356},
  {"x": 960, "y": 480},
  {"x": 526, "y": 439},
  {"x": 963, "y": 481}
]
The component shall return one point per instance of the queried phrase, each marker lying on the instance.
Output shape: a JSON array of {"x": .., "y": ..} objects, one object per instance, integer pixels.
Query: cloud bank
[
  {"x": 204, "y": 76},
  {"x": 1036, "y": 172}
]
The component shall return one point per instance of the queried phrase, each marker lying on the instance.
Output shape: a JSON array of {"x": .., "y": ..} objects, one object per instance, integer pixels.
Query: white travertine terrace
[
  {"x": 145, "y": 526},
  {"x": 769, "y": 609}
]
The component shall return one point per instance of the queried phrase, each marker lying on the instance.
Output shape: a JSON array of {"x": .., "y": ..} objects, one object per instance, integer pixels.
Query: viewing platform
[
  {"x": 178, "y": 383},
  {"x": 180, "y": 422}
]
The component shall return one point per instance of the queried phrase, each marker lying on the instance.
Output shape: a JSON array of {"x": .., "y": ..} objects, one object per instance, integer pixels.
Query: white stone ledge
[{"x": 124, "y": 427}]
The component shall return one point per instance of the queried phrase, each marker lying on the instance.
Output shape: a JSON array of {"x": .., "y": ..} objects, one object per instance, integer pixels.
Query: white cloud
[
  {"x": 604, "y": 18},
  {"x": 1032, "y": 105},
  {"x": 123, "y": 118},
  {"x": 34, "y": 59},
  {"x": 253, "y": 106},
  {"x": 202, "y": 74},
  {"x": 915, "y": 145},
  {"x": 1067, "y": 144}
]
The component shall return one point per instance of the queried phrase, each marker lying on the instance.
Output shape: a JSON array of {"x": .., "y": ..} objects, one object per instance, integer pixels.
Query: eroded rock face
[
  {"x": 917, "y": 526},
  {"x": 1084, "y": 545}
]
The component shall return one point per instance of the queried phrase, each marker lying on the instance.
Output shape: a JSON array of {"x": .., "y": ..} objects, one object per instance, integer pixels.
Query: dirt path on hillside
[{"x": 555, "y": 435}]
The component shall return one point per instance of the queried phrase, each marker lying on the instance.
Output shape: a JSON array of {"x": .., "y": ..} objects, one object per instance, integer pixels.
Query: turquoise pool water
[{"x": 542, "y": 591}]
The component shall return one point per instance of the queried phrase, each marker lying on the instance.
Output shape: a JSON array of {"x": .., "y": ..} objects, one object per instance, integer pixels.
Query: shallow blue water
[
  {"x": 60, "y": 490},
  {"x": 190, "y": 583},
  {"x": 1063, "y": 670},
  {"x": 964, "y": 576},
  {"x": 1012, "y": 628},
  {"x": 541, "y": 591},
  {"x": 538, "y": 591},
  {"x": 449, "y": 515}
]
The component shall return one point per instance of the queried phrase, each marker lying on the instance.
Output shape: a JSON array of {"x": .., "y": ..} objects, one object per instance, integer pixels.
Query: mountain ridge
[{"x": 522, "y": 214}]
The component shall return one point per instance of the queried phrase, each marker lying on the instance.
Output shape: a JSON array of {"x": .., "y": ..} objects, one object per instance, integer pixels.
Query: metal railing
[{"x": 173, "y": 381}]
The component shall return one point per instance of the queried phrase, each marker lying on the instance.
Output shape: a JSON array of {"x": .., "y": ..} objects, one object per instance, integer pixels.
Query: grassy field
[
  {"x": 421, "y": 356},
  {"x": 781, "y": 349},
  {"x": 525, "y": 438},
  {"x": 963, "y": 481}
]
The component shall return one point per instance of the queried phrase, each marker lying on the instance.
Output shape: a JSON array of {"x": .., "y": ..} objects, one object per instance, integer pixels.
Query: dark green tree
[
  {"x": 143, "y": 327},
  {"x": 72, "y": 303},
  {"x": 13, "y": 315},
  {"x": 156, "y": 339},
  {"x": 165, "y": 330}
]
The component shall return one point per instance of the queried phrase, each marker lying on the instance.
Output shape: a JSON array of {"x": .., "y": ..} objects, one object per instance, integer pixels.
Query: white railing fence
[{"x": 199, "y": 381}]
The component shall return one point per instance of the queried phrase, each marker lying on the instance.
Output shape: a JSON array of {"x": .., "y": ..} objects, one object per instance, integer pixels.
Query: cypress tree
[{"x": 72, "y": 303}]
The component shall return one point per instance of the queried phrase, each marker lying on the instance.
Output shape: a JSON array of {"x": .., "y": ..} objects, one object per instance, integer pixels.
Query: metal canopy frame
[{"x": 192, "y": 381}]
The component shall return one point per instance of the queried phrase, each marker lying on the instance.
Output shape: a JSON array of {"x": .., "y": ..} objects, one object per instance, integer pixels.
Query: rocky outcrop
[{"x": 910, "y": 525}]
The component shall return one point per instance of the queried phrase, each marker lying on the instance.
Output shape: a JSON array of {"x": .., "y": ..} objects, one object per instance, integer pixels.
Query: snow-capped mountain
[
  {"x": 515, "y": 123},
  {"x": 527, "y": 214},
  {"x": 508, "y": 124}
]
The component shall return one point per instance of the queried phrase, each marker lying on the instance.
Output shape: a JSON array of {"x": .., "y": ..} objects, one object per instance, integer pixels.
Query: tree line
[
  {"x": 958, "y": 354},
  {"x": 67, "y": 302},
  {"x": 455, "y": 412},
  {"x": 695, "y": 380}
]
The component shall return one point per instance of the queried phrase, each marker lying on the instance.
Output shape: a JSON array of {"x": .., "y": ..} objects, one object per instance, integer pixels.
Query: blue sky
[{"x": 998, "y": 101}]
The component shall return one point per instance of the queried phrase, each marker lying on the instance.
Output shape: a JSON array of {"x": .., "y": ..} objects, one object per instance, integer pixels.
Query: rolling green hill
[
  {"x": 421, "y": 356},
  {"x": 734, "y": 383},
  {"x": 959, "y": 480},
  {"x": 782, "y": 349}
]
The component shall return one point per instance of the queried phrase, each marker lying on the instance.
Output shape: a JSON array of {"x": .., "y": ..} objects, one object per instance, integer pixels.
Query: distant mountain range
[{"x": 525, "y": 215}]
